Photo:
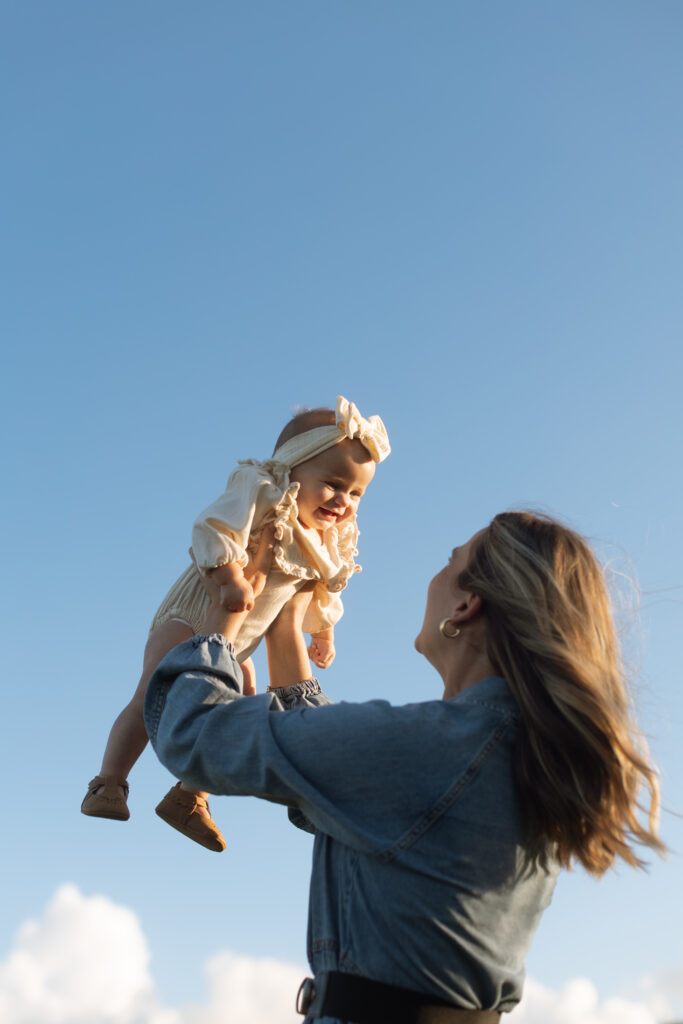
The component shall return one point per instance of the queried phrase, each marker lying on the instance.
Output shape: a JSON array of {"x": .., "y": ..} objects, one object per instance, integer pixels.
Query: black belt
[{"x": 348, "y": 997}]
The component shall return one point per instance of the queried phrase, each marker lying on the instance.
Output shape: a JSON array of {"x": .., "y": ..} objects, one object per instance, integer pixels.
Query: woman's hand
[
  {"x": 227, "y": 613},
  {"x": 259, "y": 564},
  {"x": 287, "y": 656},
  {"x": 292, "y": 614},
  {"x": 236, "y": 595}
]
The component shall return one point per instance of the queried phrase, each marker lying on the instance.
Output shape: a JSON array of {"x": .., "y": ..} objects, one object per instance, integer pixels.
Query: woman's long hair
[{"x": 581, "y": 761}]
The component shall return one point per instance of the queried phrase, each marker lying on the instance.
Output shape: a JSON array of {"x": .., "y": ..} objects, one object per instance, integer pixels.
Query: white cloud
[
  {"x": 244, "y": 990},
  {"x": 664, "y": 992},
  {"x": 86, "y": 961},
  {"x": 578, "y": 1003}
]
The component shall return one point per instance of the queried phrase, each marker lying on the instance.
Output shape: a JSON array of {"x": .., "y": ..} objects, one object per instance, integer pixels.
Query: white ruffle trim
[{"x": 339, "y": 550}]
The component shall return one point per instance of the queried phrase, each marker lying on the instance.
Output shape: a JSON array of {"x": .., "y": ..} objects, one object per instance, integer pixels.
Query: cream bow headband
[{"x": 370, "y": 432}]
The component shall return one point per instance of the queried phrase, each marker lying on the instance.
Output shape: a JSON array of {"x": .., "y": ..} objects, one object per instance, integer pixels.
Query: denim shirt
[{"x": 419, "y": 877}]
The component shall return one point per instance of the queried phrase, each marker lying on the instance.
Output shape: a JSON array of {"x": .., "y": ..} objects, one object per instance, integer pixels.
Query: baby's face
[{"x": 332, "y": 484}]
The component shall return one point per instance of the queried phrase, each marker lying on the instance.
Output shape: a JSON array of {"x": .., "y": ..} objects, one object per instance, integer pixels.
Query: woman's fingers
[
  {"x": 210, "y": 586},
  {"x": 248, "y": 677},
  {"x": 259, "y": 564}
]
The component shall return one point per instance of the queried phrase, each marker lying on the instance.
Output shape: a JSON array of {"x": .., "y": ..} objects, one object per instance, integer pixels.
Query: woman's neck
[
  {"x": 468, "y": 661},
  {"x": 457, "y": 680}
]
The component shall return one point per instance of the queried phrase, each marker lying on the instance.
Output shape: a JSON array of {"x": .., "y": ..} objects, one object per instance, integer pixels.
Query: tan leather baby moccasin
[
  {"x": 108, "y": 802},
  {"x": 181, "y": 810}
]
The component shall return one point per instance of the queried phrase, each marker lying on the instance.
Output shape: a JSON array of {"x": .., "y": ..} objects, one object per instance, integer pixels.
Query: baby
[{"x": 302, "y": 505}]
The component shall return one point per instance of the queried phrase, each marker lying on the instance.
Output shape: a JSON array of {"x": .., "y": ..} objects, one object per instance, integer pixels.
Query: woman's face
[{"x": 444, "y": 596}]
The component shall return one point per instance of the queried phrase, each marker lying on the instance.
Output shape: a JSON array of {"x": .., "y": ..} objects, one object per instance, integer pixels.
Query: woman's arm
[
  {"x": 371, "y": 775},
  {"x": 288, "y": 661},
  {"x": 225, "y": 615}
]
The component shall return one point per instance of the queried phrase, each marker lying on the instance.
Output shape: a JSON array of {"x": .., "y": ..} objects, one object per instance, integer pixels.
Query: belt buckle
[{"x": 305, "y": 996}]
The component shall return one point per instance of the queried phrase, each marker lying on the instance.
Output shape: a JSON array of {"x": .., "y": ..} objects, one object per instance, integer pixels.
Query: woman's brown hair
[{"x": 581, "y": 761}]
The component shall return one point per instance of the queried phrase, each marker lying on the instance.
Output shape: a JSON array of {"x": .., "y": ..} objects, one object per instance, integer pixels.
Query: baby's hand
[{"x": 321, "y": 650}]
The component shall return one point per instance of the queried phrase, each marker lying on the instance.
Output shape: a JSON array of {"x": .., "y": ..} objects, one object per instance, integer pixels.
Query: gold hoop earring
[{"x": 444, "y": 631}]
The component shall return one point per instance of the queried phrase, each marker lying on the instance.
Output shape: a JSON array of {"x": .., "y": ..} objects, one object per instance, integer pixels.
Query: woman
[{"x": 440, "y": 826}]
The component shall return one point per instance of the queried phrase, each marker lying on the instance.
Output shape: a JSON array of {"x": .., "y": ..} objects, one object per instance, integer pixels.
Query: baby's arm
[
  {"x": 222, "y": 533},
  {"x": 323, "y": 612},
  {"x": 321, "y": 648}
]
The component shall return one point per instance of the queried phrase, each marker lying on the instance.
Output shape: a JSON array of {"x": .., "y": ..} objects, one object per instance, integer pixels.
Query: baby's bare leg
[
  {"x": 128, "y": 737},
  {"x": 288, "y": 660},
  {"x": 108, "y": 792}
]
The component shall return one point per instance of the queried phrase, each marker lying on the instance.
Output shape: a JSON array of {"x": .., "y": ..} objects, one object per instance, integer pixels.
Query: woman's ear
[{"x": 468, "y": 609}]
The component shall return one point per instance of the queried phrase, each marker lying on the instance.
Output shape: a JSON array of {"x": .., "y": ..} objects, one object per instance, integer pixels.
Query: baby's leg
[
  {"x": 288, "y": 661},
  {"x": 128, "y": 737},
  {"x": 108, "y": 792},
  {"x": 185, "y": 809}
]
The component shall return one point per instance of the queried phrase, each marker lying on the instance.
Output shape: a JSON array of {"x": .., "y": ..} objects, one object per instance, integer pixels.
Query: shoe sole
[
  {"x": 106, "y": 812},
  {"x": 208, "y": 842}
]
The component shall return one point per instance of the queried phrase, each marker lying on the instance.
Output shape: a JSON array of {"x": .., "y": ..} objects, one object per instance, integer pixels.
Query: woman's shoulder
[{"x": 484, "y": 708}]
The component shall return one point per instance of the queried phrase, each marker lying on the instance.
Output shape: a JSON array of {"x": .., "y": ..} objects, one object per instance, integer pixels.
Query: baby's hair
[{"x": 305, "y": 419}]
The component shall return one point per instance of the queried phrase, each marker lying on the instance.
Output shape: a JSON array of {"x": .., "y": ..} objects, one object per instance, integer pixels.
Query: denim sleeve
[{"x": 367, "y": 774}]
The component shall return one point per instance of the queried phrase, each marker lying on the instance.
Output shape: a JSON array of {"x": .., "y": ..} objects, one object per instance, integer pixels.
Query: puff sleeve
[
  {"x": 221, "y": 533},
  {"x": 324, "y": 611}
]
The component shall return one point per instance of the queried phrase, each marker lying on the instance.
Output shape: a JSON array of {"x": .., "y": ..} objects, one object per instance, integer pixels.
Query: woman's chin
[{"x": 423, "y": 647}]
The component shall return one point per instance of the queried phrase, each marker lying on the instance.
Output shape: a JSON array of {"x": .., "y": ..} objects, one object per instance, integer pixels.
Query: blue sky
[{"x": 466, "y": 217}]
